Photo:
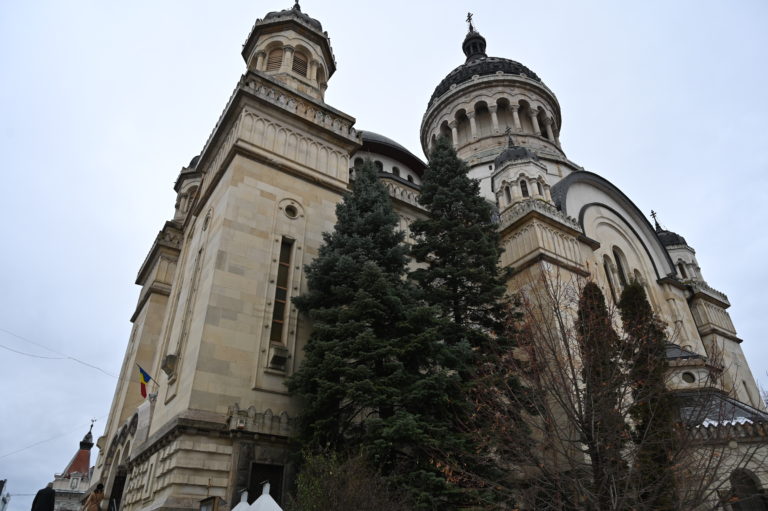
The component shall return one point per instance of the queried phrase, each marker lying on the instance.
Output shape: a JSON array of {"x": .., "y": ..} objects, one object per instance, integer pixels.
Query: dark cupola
[
  {"x": 474, "y": 43},
  {"x": 513, "y": 153}
]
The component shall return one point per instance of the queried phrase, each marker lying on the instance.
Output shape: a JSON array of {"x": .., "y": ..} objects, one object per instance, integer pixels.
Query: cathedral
[{"x": 215, "y": 331}]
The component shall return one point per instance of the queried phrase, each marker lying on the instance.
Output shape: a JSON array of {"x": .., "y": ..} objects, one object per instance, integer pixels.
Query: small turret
[{"x": 292, "y": 48}]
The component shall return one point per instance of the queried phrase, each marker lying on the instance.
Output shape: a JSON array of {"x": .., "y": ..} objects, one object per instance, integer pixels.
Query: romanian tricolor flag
[{"x": 144, "y": 378}]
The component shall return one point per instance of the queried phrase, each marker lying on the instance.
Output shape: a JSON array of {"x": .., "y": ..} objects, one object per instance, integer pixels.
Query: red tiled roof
[{"x": 80, "y": 463}]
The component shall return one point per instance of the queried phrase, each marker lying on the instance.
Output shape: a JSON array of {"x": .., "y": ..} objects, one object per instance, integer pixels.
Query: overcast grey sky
[{"x": 103, "y": 102}]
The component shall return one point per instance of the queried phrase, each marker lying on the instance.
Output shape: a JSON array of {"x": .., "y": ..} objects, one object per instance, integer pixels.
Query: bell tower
[{"x": 292, "y": 48}]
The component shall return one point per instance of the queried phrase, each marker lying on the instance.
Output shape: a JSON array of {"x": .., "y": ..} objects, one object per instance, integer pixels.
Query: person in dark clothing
[{"x": 44, "y": 499}]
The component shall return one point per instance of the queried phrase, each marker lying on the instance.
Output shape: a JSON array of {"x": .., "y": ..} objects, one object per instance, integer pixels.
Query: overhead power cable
[
  {"x": 31, "y": 354},
  {"x": 44, "y": 441},
  {"x": 61, "y": 357}
]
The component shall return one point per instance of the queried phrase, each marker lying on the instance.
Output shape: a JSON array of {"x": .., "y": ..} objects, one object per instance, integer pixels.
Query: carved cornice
[
  {"x": 293, "y": 102},
  {"x": 401, "y": 189},
  {"x": 511, "y": 216},
  {"x": 167, "y": 241},
  {"x": 180, "y": 425},
  {"x": 732, "y": 431},
  {"x": 713, "y": 329},
  {"x": 701, "y": 290},
  {"x": 546, "y": 258},
  {"x": 337, "y": 127}
]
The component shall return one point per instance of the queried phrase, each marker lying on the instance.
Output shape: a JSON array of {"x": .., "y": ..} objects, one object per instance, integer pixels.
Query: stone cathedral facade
[{"x": 215, "y": 326}]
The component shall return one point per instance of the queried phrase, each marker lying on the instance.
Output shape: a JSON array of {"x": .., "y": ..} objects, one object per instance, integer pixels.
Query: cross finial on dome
[
  {"x": 655, "y": 220},
  {"x": 474, "y": 43}
]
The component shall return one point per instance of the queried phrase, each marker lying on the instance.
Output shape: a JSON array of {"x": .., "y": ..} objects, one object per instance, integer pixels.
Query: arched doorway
[
  {"x": 116, "y": 495},
  {"x": 747, "y": 493}
]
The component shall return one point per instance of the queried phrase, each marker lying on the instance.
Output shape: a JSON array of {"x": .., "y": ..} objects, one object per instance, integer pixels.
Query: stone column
[
  {"x": 548, "y": 127},
  {"x": 494, "y": 117},
  {"x": 260, "y": 60},
  {"x": 472, "y": 124},
  {"x": 287, "y": 59},
  {"x": 516, "y": 117},
  {"x": 313, "y": 71},
  {"x": 454, "y": 133},
  {"x": 535, "y": 121}
]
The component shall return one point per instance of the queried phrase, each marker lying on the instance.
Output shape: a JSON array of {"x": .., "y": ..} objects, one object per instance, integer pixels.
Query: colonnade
[{"x": 524, "y": 118}]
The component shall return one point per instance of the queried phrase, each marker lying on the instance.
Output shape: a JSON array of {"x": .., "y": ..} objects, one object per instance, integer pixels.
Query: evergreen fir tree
[
  {"x": 374, "y": 377},
  {"x": 458, "y": 246},
  {"x": 653, "y": 410},
  {"x": 602, "y": 422}
]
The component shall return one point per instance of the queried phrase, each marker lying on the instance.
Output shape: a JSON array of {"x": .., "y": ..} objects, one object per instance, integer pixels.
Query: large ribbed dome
[{"x": 481, "y": 66}]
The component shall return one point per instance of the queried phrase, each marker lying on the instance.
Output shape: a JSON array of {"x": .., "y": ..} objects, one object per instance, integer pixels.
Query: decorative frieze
[
  {"x": 298, "y": 105},
  {"x": 266, "y": 422},
  {"x": 537, "y": 237},
  {"x": 520, "y": 209},
  {"x": 731, "y": 431},
  {"x": 401, "y": 191},
  {"x": 701, "y": 288},
  {"x": 283, "y": 140}
]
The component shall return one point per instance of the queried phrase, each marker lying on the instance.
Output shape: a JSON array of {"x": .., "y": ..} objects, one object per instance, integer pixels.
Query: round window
[
  {"x": 689, "y": 377},
  {"x": 291, "y": 211}
]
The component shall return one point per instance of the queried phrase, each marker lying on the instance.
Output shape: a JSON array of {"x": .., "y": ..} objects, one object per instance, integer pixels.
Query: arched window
[
  {"x": 608, "y": 276},
  {"x": 538, "y": 187},
  {"x": 300, "y": 63},
  {"x": 524, "y": 189},
  {"x": 681, "y": 269},
  {"x": 320, "y": 76},
  {"x": 396, "y": 171},
  {"x": 379, "y": 166},
  {"x": 410, "y": 178},
  {"x": 619, "y": 257},
  {"x": 747, "y": 494},
  {"x": 508, "y": 194},
  {"x": 275, "y": 60},
  {"x": 358, "y": 162}
]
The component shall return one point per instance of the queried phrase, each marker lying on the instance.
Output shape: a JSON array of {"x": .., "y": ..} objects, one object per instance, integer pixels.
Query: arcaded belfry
[{"x": 215, "y": 326}]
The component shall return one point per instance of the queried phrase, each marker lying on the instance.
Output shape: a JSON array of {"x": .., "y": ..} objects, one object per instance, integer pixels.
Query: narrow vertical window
[
  {"x": 620, "y": 268},
  {"x": 538, "y": 187},
  {"x": 299, "y": 64},
  {"x": 507, "y": 195},
  {"x": 524, "y": 188},
  {"x": 682, "y": 270},
  {"x": 281, "y": 291},
  {"x": 275, "y": 60},
  {"x": 607, "y": 269}
]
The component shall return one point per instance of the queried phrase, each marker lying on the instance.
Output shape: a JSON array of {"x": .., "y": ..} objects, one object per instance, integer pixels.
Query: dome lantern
[{"x": 474, "y": 43}]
